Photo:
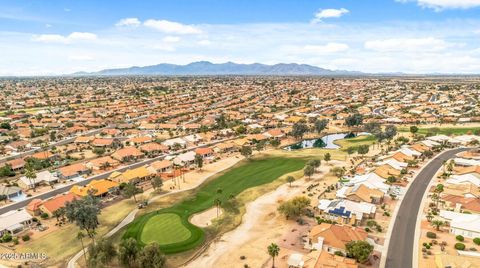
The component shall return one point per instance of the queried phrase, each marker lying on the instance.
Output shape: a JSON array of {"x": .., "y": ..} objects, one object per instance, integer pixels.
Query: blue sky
[{"x": 414, "y": 36}]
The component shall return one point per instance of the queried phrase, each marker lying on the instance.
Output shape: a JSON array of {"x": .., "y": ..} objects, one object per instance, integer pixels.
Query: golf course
[{"x": 170, "y": 227}]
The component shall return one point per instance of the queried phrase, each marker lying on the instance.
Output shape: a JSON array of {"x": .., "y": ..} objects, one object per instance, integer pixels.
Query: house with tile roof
[
  {"x": 327, "y": 260},
  {"x": 102, "y": 163},
  {"x": 73, "y": 171},
  {"x": 95, "y": 187},
  {"x": 53, "y": 204},
  {"x": 333, "y": 237},
  {"x": 127, "y": 154}
]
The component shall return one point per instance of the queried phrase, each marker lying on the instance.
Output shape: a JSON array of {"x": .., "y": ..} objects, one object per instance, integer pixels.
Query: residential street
[
  {"x": 400, "y": 249},
  {"x": 105, "y": 175}
]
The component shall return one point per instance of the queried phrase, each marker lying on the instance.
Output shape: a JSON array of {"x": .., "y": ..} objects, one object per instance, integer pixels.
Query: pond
[{"x": 326, "y": 142}]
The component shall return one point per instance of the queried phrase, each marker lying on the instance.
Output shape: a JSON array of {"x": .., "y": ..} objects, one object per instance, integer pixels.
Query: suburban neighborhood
[{"x": 240, "y": 134}]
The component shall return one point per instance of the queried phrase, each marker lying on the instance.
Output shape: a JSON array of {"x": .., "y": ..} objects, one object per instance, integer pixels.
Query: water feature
[{"x": 326, "y": 142}]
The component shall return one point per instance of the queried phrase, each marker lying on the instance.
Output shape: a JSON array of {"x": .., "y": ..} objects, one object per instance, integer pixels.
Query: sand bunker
[{"x": 204, "y": 219}]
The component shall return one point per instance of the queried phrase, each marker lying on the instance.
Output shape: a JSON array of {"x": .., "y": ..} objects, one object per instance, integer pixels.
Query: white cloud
[
  {"x": 171, "y": 27},
  {"x": 171, "y": 39},
  {"x": 80, "y": 57},
  {"x": 57, "y": 38},
  {"x": 128, "y": 22},
  {"x": 407, "y": 44},
  {"x": 204, "y": 42},
  {"x": 329, "y": 13},
  {"x": 439, "y": 5},
  {"x": 327, "y": 48}
]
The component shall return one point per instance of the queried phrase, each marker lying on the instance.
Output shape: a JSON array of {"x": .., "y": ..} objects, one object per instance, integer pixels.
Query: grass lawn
[
  {"x": 355, "y": 142},
  {"x": 63, "y": 243},
  {"x": 165, "y": 228},
  {"x": 232, "y": 182},
  {"x": 461, "y": 130}
]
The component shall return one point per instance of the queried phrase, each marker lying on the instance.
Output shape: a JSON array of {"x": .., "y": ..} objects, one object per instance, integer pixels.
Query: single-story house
[
  {"x": 43, "y": 177},
  {"x": 72, "y": 171},
  {"x": 462, "y": 224},
  {"x": 10, "y": 191},
  {"x": 15, "y": 221}
]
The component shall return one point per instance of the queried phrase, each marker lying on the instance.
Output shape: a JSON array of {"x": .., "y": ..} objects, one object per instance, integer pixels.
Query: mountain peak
[{"x": 227, "y": 68}]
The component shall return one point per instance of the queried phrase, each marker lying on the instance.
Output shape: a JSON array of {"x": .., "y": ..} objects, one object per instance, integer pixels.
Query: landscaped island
[{"x": 170, "y": 227}]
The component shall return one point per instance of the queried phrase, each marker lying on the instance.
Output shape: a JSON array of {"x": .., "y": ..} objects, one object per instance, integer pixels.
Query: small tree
[
  {"x": 157, "y": 183},
  {"x": 320, "y": 125},
  {"x": 327, "y": 157},
  {"x": 290, "y": 179},
  {"x": 299, "y": 129},
  {"x": 413, "y": 130},
  {"x": 128, "y": 252},
  {"x": 295, "y": 207},
  {"x": 359, "y": 250},
  {"x": 363, "y": 149},
  {"x": 131, "y": 190},
  {"x": 199, "y": 161},
  {"x": 151, "y": 257},
  {"x": 308, "y": 171},
  {"x": 273, "y": 251},
  {"x": 101, "y": 253},
  {"x": 246, "y": 151},
  {"x": 338, "y": 172}
]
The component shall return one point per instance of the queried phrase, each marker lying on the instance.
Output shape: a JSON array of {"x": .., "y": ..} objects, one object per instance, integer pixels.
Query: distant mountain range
[{"x": 228, "y": 68}]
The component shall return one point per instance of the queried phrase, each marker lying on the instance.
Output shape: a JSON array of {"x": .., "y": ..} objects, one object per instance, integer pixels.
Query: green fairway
[
  {"x": 246, "y": 174},
  {"x": 444, "y": 130},
  {"x": 165, "y": 228},
  {"x": 355, "y": 142}
]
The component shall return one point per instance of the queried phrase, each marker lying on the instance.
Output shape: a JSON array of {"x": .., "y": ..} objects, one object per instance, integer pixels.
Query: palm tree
[
  {"x": 273, "y": 251},
  {"x": 437, "y": 224},
  {"x": 80, "y": 237},
  {"x": 217, "y": 202},
  {"x": 31, "y": 176}
]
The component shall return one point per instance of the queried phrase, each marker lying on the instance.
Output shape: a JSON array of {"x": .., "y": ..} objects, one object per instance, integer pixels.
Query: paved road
[
  {"x": 105, "y": 175},
  {"x": 400, "y": 249},
  {"x": 65, "y": 141}
]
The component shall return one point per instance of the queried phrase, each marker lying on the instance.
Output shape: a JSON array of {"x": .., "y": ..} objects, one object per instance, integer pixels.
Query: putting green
[{"x": 165, "y": 228}]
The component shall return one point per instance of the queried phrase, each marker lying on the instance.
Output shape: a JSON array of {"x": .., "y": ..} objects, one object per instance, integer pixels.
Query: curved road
[{"x": 400, "y": 248}]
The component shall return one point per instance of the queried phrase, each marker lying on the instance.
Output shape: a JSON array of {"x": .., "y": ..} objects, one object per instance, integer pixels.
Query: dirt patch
[{"x": 205, "y": 218}]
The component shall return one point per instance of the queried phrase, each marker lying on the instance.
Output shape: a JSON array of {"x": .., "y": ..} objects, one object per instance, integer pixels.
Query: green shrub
[
  {"x": 15, "y": 241},
  {"x": 459, "y": 246},
  {"x": 459, "y": 238},
  {"x": 26, "y": 237},
  {"x": 7, "y": 237},
  {"x": 44, "y": 216},
  {"x": 431, "y": 235},
  {"x": 476, "y": 240}
]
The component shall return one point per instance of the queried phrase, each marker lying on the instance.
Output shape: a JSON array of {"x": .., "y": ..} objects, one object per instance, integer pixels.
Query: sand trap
[{"x": 204, "y": 219}]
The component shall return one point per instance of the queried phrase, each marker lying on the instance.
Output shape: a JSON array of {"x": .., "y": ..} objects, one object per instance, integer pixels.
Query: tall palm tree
[
  {"x": 30, "y": 175},
  {"x": 273, "y": 251},
  {"x": 80, "y": 237},
  {"x": 217, "y": 203}
]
